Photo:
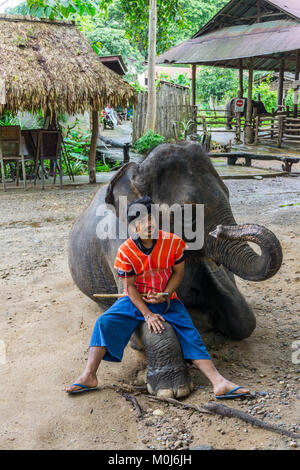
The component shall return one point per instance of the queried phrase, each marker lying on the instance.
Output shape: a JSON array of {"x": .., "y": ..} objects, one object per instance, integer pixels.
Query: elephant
[
  {"x": 258, "y": 108},
  {"x": 179, "y": 173}
]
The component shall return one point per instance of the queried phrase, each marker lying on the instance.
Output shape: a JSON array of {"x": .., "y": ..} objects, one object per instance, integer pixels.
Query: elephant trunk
[{"x": 232, "y": 250}]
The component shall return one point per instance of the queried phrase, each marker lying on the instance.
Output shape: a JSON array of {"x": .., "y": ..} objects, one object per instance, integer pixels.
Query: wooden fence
[
  {"x": 281, "y": 129},
  {"x": 174, "y": 113}
]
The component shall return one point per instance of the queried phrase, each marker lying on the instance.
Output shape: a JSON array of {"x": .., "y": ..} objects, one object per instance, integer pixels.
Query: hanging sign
[{"x": 239, "y": 105}]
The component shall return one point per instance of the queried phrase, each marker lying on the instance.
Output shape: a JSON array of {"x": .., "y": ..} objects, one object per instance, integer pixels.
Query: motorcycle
[{"x": 107, "y": 120}]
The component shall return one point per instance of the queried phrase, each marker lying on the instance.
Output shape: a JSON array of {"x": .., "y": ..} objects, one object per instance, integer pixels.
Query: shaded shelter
[
  {"x": 252, "y": 34},
  {"x": 115, "y": 63},
  {"x": 50, "y": 66}
]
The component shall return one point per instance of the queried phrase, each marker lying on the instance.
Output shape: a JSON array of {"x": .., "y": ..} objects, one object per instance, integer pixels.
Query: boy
[{"x": 150, "y": 262}]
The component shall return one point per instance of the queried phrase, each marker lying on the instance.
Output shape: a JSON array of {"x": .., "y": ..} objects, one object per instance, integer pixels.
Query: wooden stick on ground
[
  {"x": 136, "y": 405},
  {"x": 222, "y": 410},
  {"x": 211, "y": 408}
]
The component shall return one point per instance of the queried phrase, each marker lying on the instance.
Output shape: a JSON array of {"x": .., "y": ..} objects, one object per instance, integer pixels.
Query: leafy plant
[
  {"x": 8, "y": 119},
  {"x": 138, "y": 87},
  {"x": 185, "y": 126},
  {"x": 148, "y": 141},
  {"x": 180, "y": 79},
  {"x": 217, "y": 83},
  {"x": 268, "y": 97},
  {"x": 25, "y": 120}
]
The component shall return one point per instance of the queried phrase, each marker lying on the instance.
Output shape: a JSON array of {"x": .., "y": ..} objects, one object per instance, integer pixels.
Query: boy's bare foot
[
  {"x": 89, "y": 380},
  {"x": 225, "y": 386}
]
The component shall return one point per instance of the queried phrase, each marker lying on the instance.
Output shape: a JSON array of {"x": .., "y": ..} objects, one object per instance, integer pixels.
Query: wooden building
[
  {"x": 50, "y": 66},
  {"x": 246, "y": 35}
]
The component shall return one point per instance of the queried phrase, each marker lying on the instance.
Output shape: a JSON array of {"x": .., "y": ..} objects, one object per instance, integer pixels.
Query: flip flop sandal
[
  {"x": 231, "y": 394},
  {"x": 83, "y": 388}
]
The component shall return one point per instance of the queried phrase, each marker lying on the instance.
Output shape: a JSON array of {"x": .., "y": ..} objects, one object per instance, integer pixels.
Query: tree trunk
[
  {"x": 94, "y": 139},
  {"x": 151, "y": 109}
]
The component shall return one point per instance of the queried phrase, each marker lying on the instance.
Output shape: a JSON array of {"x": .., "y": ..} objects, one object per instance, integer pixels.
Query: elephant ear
[{"x": 122, "y": 185}]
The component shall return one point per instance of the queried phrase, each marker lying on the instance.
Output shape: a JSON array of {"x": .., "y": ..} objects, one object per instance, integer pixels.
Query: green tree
[
  {"x": 112, "y": 41},
  {"x": 135, "y": 16},
  {"x": 196, "y": 14},
  {"x": 268, "y": 97},
  {"x": 216, "y": 82},
  {"x": 21, "y": 9}
]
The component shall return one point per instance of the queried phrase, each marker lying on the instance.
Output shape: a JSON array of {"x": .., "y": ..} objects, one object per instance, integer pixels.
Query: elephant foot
[
  {"x": 167, "y": 375},
  {"x": 173, "y": 392}
]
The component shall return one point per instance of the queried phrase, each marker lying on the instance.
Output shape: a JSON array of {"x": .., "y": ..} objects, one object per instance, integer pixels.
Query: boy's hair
[{"x": 145, "y": 201}]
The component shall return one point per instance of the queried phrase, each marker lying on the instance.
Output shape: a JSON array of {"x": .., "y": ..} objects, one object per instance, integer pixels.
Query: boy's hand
[
  {"x": 154, "y": 322},
  {"x": 154, "y": 298}
]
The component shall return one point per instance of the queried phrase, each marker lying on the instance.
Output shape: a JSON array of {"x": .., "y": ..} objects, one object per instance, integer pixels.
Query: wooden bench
[
  {"x": 114, "y": 143},
  {"x": 232, "y": 158}
]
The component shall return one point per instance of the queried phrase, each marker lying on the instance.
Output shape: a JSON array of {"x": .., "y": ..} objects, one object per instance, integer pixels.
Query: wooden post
[
  {"x": 194, "y": 68},
  {"x": 280, "y": 130},
  {"x": 256, "y": 130},
  {"x": 258, "y": 11},
  {"x": 249, "y": 134},
  {"x": 194, "y": 74},
  {"x": 204, "y": 125},
  {"x": 297, "y": 74},
  {"x": 93, "y": 147},
  {"x": 280, "y": 84},
  {"x": 241, "y": 85}
]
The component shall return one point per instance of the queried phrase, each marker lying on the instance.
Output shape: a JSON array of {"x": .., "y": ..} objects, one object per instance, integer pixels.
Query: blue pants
[{"x": 114, "y": 328}]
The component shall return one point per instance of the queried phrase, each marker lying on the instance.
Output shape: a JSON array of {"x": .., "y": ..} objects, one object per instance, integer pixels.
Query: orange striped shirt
[{"x": 152, "y": 271}]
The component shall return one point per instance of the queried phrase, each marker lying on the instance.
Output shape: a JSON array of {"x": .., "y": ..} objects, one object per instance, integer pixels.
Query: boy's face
[{"x": 146, "y": 226}]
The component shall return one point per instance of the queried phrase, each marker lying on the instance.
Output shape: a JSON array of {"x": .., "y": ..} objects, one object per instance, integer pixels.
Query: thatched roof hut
[{"x": 50, "y": 66}]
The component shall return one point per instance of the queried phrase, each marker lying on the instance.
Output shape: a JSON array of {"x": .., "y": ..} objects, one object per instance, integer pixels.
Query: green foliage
[
  {"x": 131, "y": 15},
  {"x": 180, "y": 79},
  {"x": 169, "y": 14},
  {"x": 111, "y": 40},
  {"x": 24, "y": 120},
  {"x": 21, "y": 9},
  {"x": 77, "y": 144},
  {"x": 138, "y": 87},
  {"x": 216, "y": 82},
  {"x": 148, "y": 141},
  {"x": 185, "y": 127},
  {"x": 268, "y": 97},
  {"x": 8, "y": 119},
  {"x": 121, "y": 26},
  {"x": 196, "y": 14},
  {"x": 64, "y": 8},
  {"x": 289, "y": 101}
]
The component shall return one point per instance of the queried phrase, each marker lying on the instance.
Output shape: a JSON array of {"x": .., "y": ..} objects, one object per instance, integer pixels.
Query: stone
[
  {"x": 158, "y": 412},
  {"x": 293, "y": 444}
]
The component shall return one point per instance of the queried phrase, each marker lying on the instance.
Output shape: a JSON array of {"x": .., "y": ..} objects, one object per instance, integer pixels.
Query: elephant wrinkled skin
[{"x": 178, "y": 173}]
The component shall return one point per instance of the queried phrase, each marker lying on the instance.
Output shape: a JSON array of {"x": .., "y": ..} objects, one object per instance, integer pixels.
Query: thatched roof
[{"x": 51, "y": 65}]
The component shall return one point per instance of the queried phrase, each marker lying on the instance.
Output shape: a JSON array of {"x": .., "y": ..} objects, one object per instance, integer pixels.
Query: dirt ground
[{"x": 46, "y": 322}]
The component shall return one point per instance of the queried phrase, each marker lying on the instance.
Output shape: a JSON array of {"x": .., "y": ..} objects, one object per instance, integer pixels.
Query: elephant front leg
[
  {"x": 231, "y": 315},
  {"x": 167, "y": 375}
]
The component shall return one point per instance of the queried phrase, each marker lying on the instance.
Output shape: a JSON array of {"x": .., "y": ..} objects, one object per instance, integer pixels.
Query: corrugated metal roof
[
  {"x": 245, "y": 12},
  {"x": 290, "y": 6},
  {"x": 265, "y": 42}
]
